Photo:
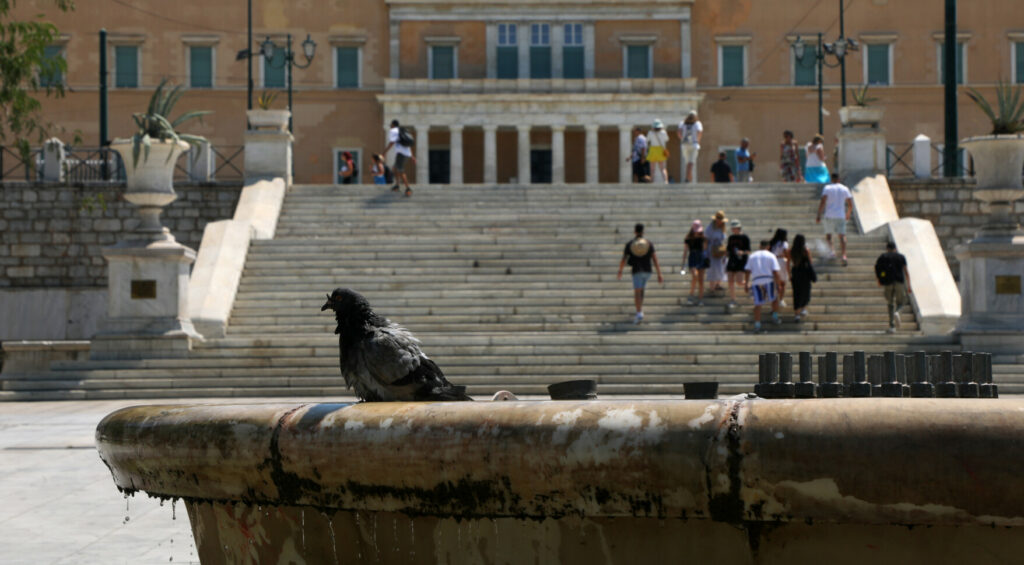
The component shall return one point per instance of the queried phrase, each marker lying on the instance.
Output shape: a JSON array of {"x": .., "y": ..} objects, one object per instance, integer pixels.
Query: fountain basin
[{"x": 730, "y": 481}]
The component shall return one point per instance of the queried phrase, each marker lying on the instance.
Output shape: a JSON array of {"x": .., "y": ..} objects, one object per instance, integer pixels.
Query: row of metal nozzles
[{"x": 893, "y": 375}]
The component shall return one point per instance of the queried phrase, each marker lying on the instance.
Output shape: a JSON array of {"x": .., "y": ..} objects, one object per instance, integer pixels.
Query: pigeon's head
[{"x": 351, "y": 308}]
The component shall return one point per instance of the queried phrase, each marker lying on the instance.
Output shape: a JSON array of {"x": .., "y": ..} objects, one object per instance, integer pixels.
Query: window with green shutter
[
  {"x": 347, "y": 71},
  {"x": 1019, "y": 71},
  {"x": 508, "y": 51},
  {"x": 126, "y": 66},
  {"x": 200, "y": 70},
  {"x": 878, "y": 63},
  {"x": 540, "y": 51},
  {"x": 732, "y": 65},
  {"x": 442, "y": 61},
  {"x": 273, "y": 70},
  {"x": 572, "y": 51},
  {"x": 959, "y": 62},
  {"x": 805, "y": 71},
  {"x": 51, "y": 75},
  {"x": 638, "y": 61}
]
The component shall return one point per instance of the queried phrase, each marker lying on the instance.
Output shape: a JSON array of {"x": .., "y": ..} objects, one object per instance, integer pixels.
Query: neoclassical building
[{"x": 529, "y": 90}]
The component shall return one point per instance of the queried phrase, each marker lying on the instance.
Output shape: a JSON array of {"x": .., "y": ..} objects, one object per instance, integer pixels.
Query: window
[
  {"x": 540, "y": 51},
  {"x": 508, "y": 51},
  {"x": 731, "y": 63},
  {"x": 961, "y": 71},
  {"x": 805, "y": 71},
  {"x": 51, "y": 74},
  {"x": 338, "y": 160},
  {"x": 200, "y": 67},
  {"x": 346, "y": 67},
  {"x": 638, "y": 61},
  {"x": 1018, "y": 62},
  {"x": 572, "y": 51},
  {"x": 126, "y": 66},
  {"x": 876, "y": 61},
  {"x": 442, "y": 61},
  {"x": 274, "y": 71}
]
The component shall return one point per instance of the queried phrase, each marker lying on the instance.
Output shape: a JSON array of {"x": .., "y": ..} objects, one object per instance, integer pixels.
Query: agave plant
[
  {"x": 155, "y": 123},
  {"x": 1008, "y": 115},
  {"x": 860, "y": 96},
  {"x": 266, "y": 100}
]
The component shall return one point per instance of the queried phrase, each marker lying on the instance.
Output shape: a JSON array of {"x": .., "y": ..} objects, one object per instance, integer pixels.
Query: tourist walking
[
  {"x": 802, "y": 275},
  {"x": 657, "y": 151},
  {"x": 689, "y": 133},
  {"x": 744, "y": 162},
  {"x": 718, "y": 253},
  {"x": 638, "y": 157},
  {"x": 779, "y": 246},
  {"x": 347, "y": 169},
  {"x": 815, "y": 170},
  {"x": 695, "y": 259},
  {"x": 738, "y": 246},
  {"x": 837, "y": 206},
  {"x": 763, "y": 267},
  {"x": 720, "y": 170},
  {"x": 789, "y": 158},
  {"x": 891, "y": 272},
  {"x": 379, "y": 169},
  {"x": 639, "y": 253},
  {"x": 402, "y": 141}
]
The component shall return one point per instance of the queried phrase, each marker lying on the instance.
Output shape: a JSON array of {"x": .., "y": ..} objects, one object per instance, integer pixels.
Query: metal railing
[
  {"x": 14, "y": 168},
  {"x": 92, "y": 164}
]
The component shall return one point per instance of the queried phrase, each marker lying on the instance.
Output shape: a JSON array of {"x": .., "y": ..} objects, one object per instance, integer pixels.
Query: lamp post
[
  {"x": 308, "y": 51},
  {"x": 838, "y": 49}
]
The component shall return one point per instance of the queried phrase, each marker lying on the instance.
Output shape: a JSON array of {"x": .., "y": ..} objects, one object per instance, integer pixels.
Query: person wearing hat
[
  {"x": 696, "y": 259},
  {"x": 717, "y": 251},
  {"x": 690, "y": 133},
  {"x": 738, "y": 248},
  {"x": 639, "y": 253},
  {"x": 657, "y": 150}
]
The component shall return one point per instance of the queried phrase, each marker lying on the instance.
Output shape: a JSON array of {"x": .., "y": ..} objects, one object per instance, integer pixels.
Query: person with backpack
[
  {"x": 402, "y": 141},
  {"x": 892, "y": 275},
  {"x": 639, "y": 253},
  {"x": 380, "y": 171},
  {"x": 348, "y": 171}
]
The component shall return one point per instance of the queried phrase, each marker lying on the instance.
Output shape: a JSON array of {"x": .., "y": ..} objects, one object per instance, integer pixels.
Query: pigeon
[{"x": 381, "y": 360}]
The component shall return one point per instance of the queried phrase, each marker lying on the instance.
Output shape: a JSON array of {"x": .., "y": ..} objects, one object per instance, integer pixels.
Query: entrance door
[
  {"x": 440, "y": 166},
  {"x": 540, "y": 166}
]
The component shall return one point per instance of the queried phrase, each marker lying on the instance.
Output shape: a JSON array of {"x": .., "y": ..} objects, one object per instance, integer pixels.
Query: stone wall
[
  {"x": 949, "y": 204},
  {"x": 53, "y": 235}
]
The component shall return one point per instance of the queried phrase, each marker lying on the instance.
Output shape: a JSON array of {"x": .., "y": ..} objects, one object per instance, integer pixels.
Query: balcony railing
[{"x": 541, "y": 86}]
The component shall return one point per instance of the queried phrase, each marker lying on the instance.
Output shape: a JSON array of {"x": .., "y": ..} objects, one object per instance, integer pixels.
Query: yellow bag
[{"x": 656, "y": 153}]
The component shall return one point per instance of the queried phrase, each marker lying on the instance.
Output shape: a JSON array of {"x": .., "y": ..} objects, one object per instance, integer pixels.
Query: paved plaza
[{"x": 59, "y": 503}]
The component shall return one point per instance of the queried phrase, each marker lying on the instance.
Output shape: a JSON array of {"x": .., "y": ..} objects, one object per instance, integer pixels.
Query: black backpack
[
  {"x": 886, "y": 269},
  {"x": 405, "y": 138}
]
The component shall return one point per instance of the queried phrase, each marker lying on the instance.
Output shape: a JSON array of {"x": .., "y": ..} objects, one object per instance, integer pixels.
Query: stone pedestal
[
  {"x": 268, "y": 154},
  {"x": 201, "y": 163},
  {"x": 861, "y": 143},
  {"x": 53, "y": 160}
]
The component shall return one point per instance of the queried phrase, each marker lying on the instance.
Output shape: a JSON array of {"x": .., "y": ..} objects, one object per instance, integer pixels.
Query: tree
[{"x": 24, "y": 72}]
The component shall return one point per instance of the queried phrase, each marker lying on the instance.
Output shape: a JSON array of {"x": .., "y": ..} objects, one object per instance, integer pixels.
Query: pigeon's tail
[{"x": 448, "y": 393}]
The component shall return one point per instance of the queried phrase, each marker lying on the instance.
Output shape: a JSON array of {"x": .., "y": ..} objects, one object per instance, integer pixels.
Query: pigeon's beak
[{"x": 327, "y": 304}]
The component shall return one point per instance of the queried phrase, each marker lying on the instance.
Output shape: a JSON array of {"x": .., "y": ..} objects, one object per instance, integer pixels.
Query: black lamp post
[
  {"x": 838, "y": 49},
  {"x": 308, "y": 51}
]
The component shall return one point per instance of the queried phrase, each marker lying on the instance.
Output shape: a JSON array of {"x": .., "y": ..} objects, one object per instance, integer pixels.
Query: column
[
  {"x": 626, "y": 165},
  {"x": 524, "y": 153},
  {"x": 590, "y": 163},
  {"x": 422, "y": 149},
  {"x": 685, "y": 43},
  {"x": 558, "y": 154},
  {"x": 455, "y": 154},
  {"x": 394, "y": 46},
  {"x": 490, "y": 154}
]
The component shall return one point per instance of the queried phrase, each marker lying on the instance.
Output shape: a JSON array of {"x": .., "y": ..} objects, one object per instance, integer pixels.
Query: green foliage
[
  {"x": 154, "y": 123},
  {"x": 23, "y": 61},
  {"x": 266, "y": 99},
  {"x": 1008, "y": 115},
  {"x": 90, "y": 203},
  {"x": 860, "y": 96}
]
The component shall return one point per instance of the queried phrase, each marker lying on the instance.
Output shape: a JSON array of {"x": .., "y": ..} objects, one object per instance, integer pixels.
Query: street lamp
[
  {"x": 268, "y": 49},
  {"x": 838, "y": 49}
]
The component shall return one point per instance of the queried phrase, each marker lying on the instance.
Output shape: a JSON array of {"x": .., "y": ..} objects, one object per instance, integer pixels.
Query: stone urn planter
[
  {"x": 150, "y": 182},
  {"x": 861, "y": 116},
  {"x": 998, "y": 162},
  {"x": 268, "y": 119}
]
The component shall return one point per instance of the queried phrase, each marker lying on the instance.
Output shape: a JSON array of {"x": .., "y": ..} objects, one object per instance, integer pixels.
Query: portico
[{"x": 602, "y": 110}]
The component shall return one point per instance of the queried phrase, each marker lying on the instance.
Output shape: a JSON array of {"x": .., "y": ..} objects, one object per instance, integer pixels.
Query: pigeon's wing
[{"x": 390, "y": 355}]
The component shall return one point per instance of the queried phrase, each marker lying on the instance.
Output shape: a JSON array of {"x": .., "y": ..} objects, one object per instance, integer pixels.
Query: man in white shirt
[
  {"x": 402, "y": 153},
  {"x": 763, "y": 267},
  {"x": 837, "y": 206}
]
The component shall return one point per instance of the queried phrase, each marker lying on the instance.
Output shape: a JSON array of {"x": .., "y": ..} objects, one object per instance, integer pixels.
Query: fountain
[{"x": 594, "y": 481}]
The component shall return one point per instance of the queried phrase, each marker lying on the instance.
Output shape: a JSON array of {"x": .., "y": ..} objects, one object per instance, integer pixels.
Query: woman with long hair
[
  {"x": 695, "y": 258},
  {"x": 657, "y": 150},
  {"x": 803, "y": 275},
  {"x": 816, "y": 171},
  {"x": 780, "y": 247},
  {"x": 789, "y": 158}
]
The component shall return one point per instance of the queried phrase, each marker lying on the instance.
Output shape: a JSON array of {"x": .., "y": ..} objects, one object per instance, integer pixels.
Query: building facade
[{"x": 530, "y": 90}]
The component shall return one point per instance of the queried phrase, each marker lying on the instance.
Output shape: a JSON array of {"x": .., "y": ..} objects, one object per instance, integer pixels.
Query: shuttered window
[
  {"x": 1019, "y": 71},
  {"x": 540, "y": 51},
  {"x": 638, "y": 61},
  {"x": 273, "y": 70},
  {"x": 126, "y": 66},
  {"x": 572, "y": 51},
  {"x": 508, "y": 51},
  {"x": 878, "y": 64},
  {"x": 805, "y": 71},
  {"x": 200, "y": 69},
  {"x": 732, "y": 65},
  {"x": 347, "y": 71},
  {"x": 51, "y": 75},
  {"x": 959, "y": 63},
  {"x": 442, "y": 60}
]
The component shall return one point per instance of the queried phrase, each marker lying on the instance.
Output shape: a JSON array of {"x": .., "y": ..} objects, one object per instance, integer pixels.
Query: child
[
  {"x": 695, "y": 258},
  {"x": 380, "y": 170}
]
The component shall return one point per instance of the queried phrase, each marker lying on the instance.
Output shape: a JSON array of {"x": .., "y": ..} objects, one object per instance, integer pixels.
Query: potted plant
[
  {"x": 149, "y": 155},
  {"x": 861, "y": 112},
  {"x": 264, "y": 117},
  {"x": 999, "y": 156}
]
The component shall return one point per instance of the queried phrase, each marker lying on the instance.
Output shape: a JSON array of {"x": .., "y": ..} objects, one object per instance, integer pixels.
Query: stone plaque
[
  {"x": 142, "y": 290},
  {"x": 1008, "y": 284}
]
